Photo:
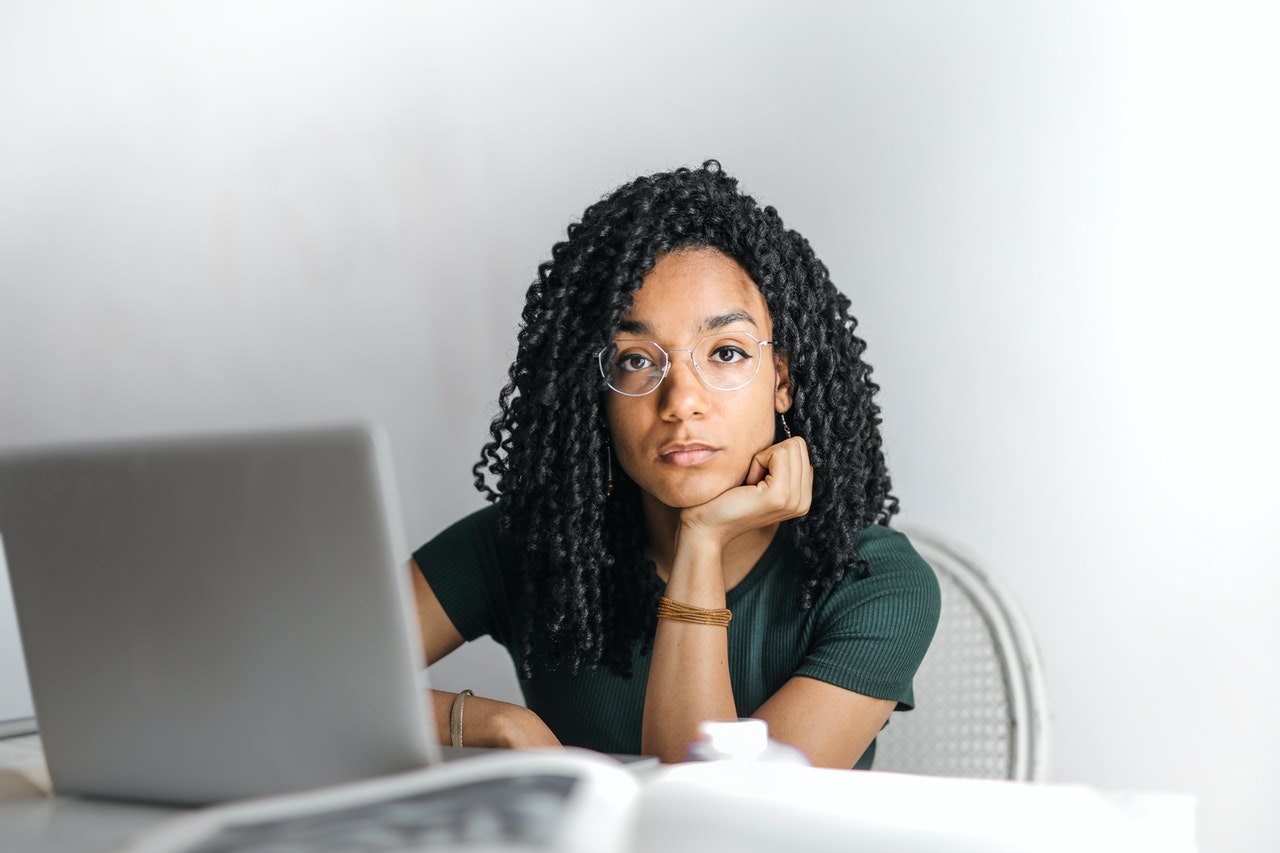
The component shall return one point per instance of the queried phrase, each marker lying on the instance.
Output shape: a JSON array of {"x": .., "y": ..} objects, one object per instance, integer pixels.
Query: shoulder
[
  {"x": 481, "y": 523},
  {"x": 899, "y": 585},
  {"x": 470, "y": 541},
  {"x": 890, "y": 551}
]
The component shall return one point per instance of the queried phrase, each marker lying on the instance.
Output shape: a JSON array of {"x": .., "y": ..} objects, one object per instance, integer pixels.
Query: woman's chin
[{"x": 691, "y": 492}]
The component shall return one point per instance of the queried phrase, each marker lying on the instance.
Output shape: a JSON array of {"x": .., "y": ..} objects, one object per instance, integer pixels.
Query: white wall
[{"x": 1057, "y": 223}]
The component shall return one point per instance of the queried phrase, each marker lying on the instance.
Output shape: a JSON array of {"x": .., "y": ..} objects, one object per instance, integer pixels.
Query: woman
[{"x": 689, "y": 497}]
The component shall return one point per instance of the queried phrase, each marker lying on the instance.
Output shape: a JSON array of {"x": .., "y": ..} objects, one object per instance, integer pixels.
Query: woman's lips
[{"x": 683, "y": 456}]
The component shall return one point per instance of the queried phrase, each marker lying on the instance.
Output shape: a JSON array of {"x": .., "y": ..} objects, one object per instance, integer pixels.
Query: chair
[{"x": 981, "y": 709}]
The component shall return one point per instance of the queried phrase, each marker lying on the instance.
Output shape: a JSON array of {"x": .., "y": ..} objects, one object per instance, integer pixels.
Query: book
[{"x": 565, "y": 800}]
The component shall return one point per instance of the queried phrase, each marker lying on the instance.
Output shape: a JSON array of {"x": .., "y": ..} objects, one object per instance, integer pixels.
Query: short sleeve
[
  {"x": 872, "y": 632},
  {"x": 468, "y": 572}
]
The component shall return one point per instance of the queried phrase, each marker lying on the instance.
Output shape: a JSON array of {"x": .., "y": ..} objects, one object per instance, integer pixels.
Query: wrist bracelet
[
  {"x": 675, "y": 610},
  {"x": 455, "y": 717}
]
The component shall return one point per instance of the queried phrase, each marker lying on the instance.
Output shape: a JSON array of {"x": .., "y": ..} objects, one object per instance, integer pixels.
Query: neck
[{"x": 737, "y": 559}]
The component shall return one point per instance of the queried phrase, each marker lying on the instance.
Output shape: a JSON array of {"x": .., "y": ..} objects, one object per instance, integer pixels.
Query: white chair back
[{"x": 981, "y": 705}]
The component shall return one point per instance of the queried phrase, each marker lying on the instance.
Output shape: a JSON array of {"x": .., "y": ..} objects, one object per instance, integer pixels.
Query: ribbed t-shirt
[{"x": 865, "y": 634}]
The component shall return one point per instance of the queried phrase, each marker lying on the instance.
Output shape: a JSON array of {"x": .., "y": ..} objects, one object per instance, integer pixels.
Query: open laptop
[{"x": 215, "y": 618}]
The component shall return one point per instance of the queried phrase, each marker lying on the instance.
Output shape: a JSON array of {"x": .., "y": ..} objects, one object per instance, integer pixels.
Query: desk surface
[
  {"x": 32, "y": 819},
  {"x": 727, "y": 805},
  {"x": 17, "y": 751}
]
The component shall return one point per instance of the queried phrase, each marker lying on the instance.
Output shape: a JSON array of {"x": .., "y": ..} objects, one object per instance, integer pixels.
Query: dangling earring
[
  {"x": 608, "y": 467},
  {"x": 786, "y": 429}
]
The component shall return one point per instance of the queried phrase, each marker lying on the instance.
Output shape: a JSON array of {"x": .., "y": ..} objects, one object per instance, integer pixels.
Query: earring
[
  {"x": 608, "y": 467},
  {"x": 786, "y": 429}
]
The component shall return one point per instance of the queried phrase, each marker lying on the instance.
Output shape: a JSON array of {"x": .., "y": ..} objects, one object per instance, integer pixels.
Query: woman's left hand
[{"x": 779, "y": 486}]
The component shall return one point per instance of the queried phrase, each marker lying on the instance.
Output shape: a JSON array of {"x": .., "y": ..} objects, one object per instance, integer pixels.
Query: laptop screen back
[{"x": 215, "y": 618}]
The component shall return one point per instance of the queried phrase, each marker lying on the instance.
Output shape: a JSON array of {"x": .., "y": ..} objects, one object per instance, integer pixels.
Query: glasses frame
[{"x": 666, "y": 366}]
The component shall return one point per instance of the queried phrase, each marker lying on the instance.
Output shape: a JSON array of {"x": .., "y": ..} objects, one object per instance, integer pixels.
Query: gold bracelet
[
  {"x": 669, "y": 609},
  {"x": 455, "y": 717}
]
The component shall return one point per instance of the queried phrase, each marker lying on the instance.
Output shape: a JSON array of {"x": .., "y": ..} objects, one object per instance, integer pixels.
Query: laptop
[{"x": 215, "y": 618}]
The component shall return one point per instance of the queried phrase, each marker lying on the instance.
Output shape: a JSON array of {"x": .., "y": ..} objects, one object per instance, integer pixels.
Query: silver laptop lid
[{"x": 215, "y": 618}]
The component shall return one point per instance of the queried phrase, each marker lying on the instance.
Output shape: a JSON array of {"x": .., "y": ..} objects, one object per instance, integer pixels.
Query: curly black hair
[{"x": 591, "y": 592}]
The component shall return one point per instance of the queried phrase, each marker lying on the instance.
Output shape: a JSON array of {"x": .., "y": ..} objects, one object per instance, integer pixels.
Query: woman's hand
[
  {"x": 489, "y": 722},
  {"x": 779, "y": 486}
]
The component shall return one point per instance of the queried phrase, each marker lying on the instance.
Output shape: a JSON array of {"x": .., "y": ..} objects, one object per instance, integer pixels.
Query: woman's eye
[
  {"x": 728, "y": 355},
  {"x": 634, "y": 363}
]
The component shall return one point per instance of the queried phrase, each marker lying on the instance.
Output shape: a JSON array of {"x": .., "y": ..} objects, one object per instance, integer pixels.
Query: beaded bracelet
[{"x": 669, "y": 609}]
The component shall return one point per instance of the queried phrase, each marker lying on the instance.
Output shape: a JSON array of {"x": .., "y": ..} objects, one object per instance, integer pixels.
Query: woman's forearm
[{"x": 689, "y": 670}]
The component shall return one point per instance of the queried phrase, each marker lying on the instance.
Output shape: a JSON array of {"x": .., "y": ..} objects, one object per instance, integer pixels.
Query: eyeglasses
[{"x": 725, "y": 361}]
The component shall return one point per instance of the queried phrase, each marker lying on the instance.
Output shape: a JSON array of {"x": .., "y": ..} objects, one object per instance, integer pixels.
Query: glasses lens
[
  {"x": 727, "y": 361},
  {"x": 632, "y": 367}
]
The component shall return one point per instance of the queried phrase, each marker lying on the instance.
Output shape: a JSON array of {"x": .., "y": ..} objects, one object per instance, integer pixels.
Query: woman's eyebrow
[
  {"x": 719, "y": 321},
  {"x": 711, "y": 324},
  {"x": 635, "y": 327}
]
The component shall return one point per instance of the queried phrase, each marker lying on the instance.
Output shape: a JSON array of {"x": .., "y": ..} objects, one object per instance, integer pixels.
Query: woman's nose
[{"x": 682, "y": 392}]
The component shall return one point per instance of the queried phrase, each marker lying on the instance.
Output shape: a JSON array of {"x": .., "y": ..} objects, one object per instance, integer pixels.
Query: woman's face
[{"x": 686, "y": 443}]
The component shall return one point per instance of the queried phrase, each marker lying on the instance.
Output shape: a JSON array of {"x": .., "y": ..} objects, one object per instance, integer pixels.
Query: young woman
[{"x": 689, "y": 497}]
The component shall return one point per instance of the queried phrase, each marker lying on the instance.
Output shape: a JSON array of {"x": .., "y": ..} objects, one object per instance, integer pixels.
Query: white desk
[
  {"x": 734, "y": 806},
  {"x": 31, "y": 819}
]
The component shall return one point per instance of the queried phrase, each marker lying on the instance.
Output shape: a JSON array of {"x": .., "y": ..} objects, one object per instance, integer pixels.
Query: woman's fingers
[
  {"x": 788, "y": 483},
  {"x": 778, "y": 486},
  {"x": 803, "y": 476}
]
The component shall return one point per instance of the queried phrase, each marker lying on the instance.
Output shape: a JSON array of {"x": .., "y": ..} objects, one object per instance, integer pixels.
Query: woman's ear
[{"x": 782, "y": 397}]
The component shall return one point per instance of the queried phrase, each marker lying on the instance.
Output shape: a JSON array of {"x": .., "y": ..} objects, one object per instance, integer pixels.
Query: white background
[{"x": 1057, "y": 222}]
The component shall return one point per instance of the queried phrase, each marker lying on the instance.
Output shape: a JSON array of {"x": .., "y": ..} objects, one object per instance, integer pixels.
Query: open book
[
  {"x": 573, "y": 801},
  {"x": 564, "y": 800}
]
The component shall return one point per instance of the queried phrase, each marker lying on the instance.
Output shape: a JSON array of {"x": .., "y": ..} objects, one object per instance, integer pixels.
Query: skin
[{"x": 714, "y": 488}]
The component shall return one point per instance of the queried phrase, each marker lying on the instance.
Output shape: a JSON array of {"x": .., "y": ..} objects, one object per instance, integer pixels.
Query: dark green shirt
[{"x": 865, "y": 634}]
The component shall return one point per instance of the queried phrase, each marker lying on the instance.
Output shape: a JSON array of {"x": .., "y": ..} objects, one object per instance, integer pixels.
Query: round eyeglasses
[{"x": 725, "y": 361}]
